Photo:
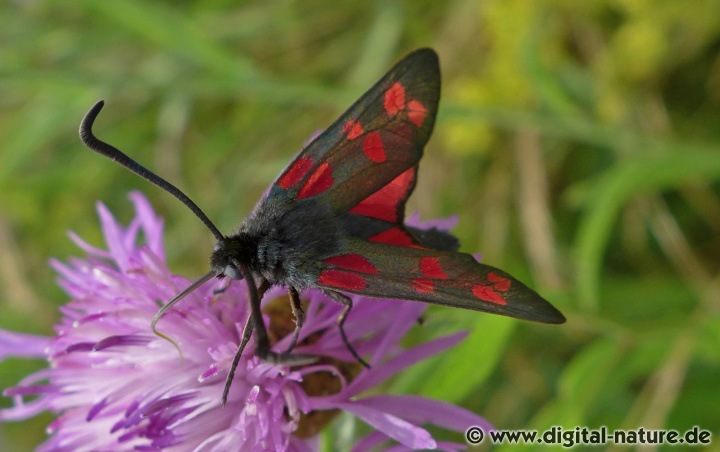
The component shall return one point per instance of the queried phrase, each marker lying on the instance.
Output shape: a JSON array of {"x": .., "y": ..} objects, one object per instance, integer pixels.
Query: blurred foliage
[{"x": 577, "y": 142}]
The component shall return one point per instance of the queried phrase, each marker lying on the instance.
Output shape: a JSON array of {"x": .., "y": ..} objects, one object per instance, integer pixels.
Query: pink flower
[{"x": 116, "y": 386}]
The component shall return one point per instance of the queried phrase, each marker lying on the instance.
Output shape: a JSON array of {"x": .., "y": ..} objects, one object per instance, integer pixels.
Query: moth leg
[
  {"x": 263, "y": 287},
  {"x": 247, "y": 332},
  {"x": 347, "y": 302},
  {"x": 262, "y": 342},
  {"x": 299, "y": 315}
]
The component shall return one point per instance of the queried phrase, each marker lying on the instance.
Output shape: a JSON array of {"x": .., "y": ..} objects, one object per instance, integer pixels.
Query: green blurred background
[{"x": 578, "y": 142}]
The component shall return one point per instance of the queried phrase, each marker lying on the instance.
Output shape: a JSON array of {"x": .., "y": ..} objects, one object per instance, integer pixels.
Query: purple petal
[
  {"x": 404, "y": 319},
  {"x": 22, "y": 345},
  {"x": 448, "y": 446},
  {"x": 305, "y": 445},
  {"x": 90, "y": 318},
  {"x": 420, "y": 410},
  {"x": 130, "y": 434},
  {"x": 443, "y": 224},
  {"x": 163, "y": 404},
  {"x": 118, "y": 425},
  {"x": 112, "y": 231},
  {"x": 96, "y": 409},
  {"x": 119, "y": 341},
  {"x": 22, "y": 411},
  {"x": 211, "y": 371},
  {"x": 152, "y": 225},
  {"x": 89, "y": 249},
  {"x": 404, "y": 359},
  {"x": 78, "y": 347},
  {"x": 28, "y": 390},
  {"x": 69, "y": 277},
  {"x": 398, "y": 429},
  {"x": 152, "y": 448},
  {"x": 181, "y": 414},
  {"x": 130, "y": 235},
  {"x": 444, "y": 446},
  {"x": 370, "y": 442}
]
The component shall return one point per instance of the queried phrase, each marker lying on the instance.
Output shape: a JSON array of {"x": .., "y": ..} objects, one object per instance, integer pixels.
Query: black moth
[{"x": 334, "y": 219}]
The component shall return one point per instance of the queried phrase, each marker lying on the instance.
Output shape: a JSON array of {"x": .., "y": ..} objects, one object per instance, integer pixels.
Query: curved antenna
[
  {"x": 111, "y": 152},
  {"x": 172, "y": 303}
]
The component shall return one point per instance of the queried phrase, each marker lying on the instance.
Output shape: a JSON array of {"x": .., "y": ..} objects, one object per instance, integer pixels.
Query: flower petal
[
  {"x": 421, "y": 410},
  {"x": 22, "y": 345},
  {"x": 89, "y": 249},
  {"x": 370, "y": 442},
  {"x": 404, "y": 359},
  {"x": 114, "y": 237},
  {"x": 152, "y": 225},
  {"x": 443, "y": 224},
  {"x": 405, "y": 319},
  {"x": 396, "y": 428}
]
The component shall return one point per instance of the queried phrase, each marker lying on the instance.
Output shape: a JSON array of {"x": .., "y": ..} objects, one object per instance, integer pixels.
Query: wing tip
[
  {"x": 424, "y": 56},
  {"x": 429, "y": 51},
  {"x": 555, "y": 318},
  {"x": 544, "y": 312},
  {"x": 424, "y": 53}
]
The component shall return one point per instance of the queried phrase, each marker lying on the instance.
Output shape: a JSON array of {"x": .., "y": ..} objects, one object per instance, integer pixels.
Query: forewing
[
  {"x": 375, "y": 141},
  {"x": 432, "y": 276}
]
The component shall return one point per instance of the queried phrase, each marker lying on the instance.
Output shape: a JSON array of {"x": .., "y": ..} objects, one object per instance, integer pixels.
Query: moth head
[{"x": 228, "y": 253}]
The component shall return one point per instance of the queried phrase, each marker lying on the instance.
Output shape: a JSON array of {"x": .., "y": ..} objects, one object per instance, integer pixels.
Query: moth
[{"x": 334, "y": 220}]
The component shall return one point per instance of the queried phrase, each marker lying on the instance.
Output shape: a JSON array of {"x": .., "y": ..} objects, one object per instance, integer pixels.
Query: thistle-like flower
[{"x": 116, "y": 386}]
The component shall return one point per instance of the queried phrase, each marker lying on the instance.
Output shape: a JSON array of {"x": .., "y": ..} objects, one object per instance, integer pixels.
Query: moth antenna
[
  {"x": 113, "y": 153},
  {"x": 172, "y": 303}
]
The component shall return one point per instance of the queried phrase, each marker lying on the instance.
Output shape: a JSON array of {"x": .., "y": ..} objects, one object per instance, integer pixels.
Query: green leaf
[
  {"x": 635, "y": 176},
  {"x": 459, "y": 373}
]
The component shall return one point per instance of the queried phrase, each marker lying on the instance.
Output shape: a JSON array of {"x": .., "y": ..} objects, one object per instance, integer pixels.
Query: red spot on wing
[
  {"x": 423, "y": 285},
  {"x": 320, "y": 180},
  {"x": 373, "y": 147},
  {"x": 383, "y": 204},
  {"x": 395, "y": 236},
  {"x": 500, "y": 283},
  {"x": 487, "y": 293},
  {"x": 430, "y": 267},
  {"x": 416, "y": 112},
  {"x": 341, "y": 279},
  {"x": 353, "y": 129},
  {"x": 394, "y": 99},
  {"x": 295, "y": 173},
  {"x": 353, "y": 262}
]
